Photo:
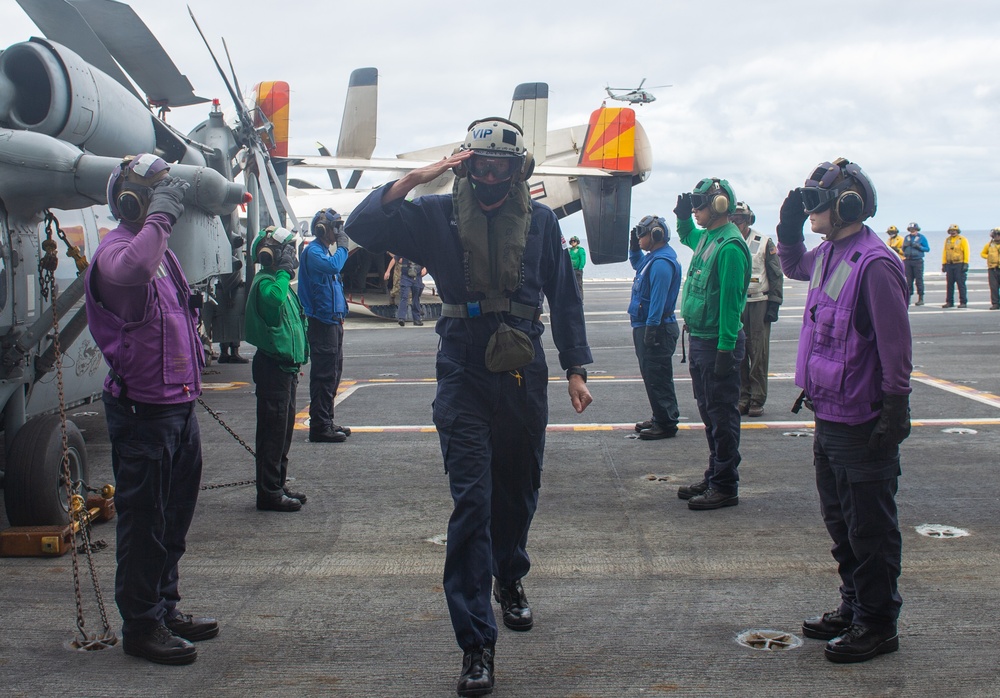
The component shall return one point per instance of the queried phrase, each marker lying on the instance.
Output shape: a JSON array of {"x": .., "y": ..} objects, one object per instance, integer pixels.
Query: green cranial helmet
[
  {"x": 716, "y": 193},
  {"x": 273, "y": 235}
]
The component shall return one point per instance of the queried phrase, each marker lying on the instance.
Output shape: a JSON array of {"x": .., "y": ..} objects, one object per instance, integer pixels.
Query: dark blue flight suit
[{"x": 491, "y": 425}]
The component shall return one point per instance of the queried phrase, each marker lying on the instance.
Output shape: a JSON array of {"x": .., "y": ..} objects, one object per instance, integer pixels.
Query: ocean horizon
[{"x": 935, "y": 239}]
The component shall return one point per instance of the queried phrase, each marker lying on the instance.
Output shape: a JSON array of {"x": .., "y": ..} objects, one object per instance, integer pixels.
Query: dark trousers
[
  {"x": 326, "y": 365},
  {"x": 718, "y": 400},
  {"x": 156, "y": 459},
  {"x": 753, "y": 368},
  {"x": 857, "y": 494},
  {"x": 492, "y": 431},
  {"x": 994, "y": 275},
  {"x": 915, "y": 273},
  {"x": 955, "y": 276},
  {"x": 275, "y": 390},
  {"x": 579, "y": 280},
  {"x": 409, "y": 295},
  {"x": 656, "y": 367}
]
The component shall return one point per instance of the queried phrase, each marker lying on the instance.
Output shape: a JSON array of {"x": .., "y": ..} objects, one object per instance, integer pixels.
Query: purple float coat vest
[
  {"x": 158, "y": 358},
  {"x": 837, "y": 366}
]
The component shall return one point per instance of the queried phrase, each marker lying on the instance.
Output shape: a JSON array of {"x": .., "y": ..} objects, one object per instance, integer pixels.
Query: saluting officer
[{"x": 493, "y": 253}]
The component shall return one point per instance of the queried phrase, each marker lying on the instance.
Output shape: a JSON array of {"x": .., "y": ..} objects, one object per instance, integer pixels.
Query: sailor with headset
[
  {"x": 654, "y": 325},
  {"x": 494, "y": 253},
  {"x": 715, "y": 294}
]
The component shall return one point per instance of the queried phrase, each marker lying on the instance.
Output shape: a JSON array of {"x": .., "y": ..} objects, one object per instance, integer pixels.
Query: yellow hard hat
[{"x": 892, "y": 230}]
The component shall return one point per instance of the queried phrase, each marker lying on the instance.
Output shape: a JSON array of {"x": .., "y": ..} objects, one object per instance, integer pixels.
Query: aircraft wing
[{"x": 405, "y": 165}]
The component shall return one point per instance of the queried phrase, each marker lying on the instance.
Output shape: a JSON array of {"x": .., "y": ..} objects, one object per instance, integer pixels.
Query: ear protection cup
[
  {"x": 319, "y": 230},
  {"x": 131, "y": 206},
  {"x": 656, "y": 232},
  {"x": 265, "y": 257},
  {"x": 850, "y": 207},
  {"x": 720, "y": 203},
  {"x": 528, "y": 168}
]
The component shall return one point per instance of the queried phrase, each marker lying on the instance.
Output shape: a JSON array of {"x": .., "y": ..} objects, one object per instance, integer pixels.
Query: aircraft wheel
[{"x": 34, "y": 488}]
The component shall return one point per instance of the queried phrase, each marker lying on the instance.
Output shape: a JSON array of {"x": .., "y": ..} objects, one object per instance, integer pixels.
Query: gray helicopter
[{"x": 68, "y": 115}]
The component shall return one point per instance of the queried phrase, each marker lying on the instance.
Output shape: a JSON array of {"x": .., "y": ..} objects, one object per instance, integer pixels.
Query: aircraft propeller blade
[
  {"x": 334, "y": 175},
  {"x": 265, "y": 188}
]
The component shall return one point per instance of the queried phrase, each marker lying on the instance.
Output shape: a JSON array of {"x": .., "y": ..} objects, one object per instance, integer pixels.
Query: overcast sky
[{"x": 762, "y": 91}]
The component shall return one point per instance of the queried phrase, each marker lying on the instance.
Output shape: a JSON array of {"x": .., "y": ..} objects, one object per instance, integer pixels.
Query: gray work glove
[
  {"x": 168, "y": 197},
  {"x": 791, "y": 218},
  {"x": 683, "y": 208},
  {"x": 893, "y": 424},
  {"x": 341, "y": 237},
  {"x": 725, "y": 363},
  {"x": 651, "y": 338},
  {"x": 287, "y": 260},
  {"x": 771, "y": 314},
  {"x": 633, "y": 241}
]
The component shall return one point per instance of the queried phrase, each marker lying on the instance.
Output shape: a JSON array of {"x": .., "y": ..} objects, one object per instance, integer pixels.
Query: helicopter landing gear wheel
[{"x": 34, "y": 488}]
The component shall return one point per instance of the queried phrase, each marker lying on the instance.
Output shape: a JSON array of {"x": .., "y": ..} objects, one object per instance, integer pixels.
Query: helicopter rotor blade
[
  {"x": 265, "y": 186},
  {"x": 240, "y": 108},
  {"x": 273, "y": 176},
  {"x": 640, "y": 84},
  {"x": 231, "y": 69}
]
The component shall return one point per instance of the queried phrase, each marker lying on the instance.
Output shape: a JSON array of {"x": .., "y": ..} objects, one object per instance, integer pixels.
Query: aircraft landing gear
[{"x": 34, "y": 486}]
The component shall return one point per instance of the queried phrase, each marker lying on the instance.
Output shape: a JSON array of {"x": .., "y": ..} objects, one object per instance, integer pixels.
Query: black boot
[
  {"x": 514, "y": 604},
  {"x": 477, "y": 672}
]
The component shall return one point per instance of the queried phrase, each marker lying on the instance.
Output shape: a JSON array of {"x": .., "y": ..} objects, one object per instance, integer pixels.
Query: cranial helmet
[
  {"x": 892, "y": 230},
  {"x": 953, "y": 228},
  {"x": 743, "y": 210},
  {"x": 130, "y": 185},
  {"x": 498, "y": 149},
  {"x": 574, "y": 239},
  {"x": 716, "y": 193},
  {"x": 325, "y": 222},
  {"x": 654, "y": 226},
  {"x": 842, "y": 185},
  {"x": 913, "y": 226},
  {"x": 271, "y": 236}
]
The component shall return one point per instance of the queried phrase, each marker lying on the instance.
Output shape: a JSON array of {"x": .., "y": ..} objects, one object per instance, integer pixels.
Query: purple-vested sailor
[
  {"x": 143, "y": 317},
  {"x": 853, "y": 366}
]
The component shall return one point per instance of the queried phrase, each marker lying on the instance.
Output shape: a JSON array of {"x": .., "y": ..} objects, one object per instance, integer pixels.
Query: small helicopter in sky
[{"x": 634, "y": 95}]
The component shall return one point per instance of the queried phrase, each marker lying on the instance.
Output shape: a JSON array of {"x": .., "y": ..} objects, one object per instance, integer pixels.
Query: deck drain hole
[
  {"x": 959, "y": 430},
  {"x": 799, "y": 432},
  {"x": 941, "y": 531},
  {"x": 439, "y": 539},
  {"x": 768, "y": 640},
  {"x": 653, "y": 477},
  {"x": 388, "y": 375},
  {"x": 632, "y": 436},
  {"x": 85, "y": 414}
]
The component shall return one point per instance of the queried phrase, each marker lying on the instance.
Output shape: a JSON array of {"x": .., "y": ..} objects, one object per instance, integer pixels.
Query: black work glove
[
  {"x": 683, "y": 208},
  {"x": 944, "y": 267},
  {"x": 652, "y": 337},
  {"x": 725, "y": 363},
  {"x": 287, "y": 260},
  {"x": 168, "y": 197},
  {"x": 791, "y": 218},
  {"x": 771, "y": 314},
  {"x": 633, "y": 241},
  {"x": 893, "y": 424},
  {"x": 965, "y": 268}
]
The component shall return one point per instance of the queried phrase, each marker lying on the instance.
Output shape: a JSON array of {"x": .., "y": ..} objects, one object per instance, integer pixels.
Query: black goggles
[
  {"x": 481, "y": 166},
  {"x": 700, "y": 201},
  {"x": 815, "y": 199}
]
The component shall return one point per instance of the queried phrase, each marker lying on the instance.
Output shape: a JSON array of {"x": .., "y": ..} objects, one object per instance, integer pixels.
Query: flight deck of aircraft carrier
[{"x": 633, "y": 593}]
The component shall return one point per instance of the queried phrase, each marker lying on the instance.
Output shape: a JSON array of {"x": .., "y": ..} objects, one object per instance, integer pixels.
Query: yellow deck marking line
[{"x": 956, "y": 389}]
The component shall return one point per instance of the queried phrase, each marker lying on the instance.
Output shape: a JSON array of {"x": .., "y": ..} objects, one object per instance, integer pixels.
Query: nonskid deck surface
[{"x": 634, "y": 594}]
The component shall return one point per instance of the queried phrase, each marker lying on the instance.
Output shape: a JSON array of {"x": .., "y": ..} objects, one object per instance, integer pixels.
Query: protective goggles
[{"x": 481, "y": 166}]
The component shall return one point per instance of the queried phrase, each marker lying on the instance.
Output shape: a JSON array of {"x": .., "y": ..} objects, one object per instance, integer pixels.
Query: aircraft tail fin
[
  {"x": 530, "y": 110},
  {"x": 271, "y": 99},
  {"x": 607, "y": 201},
  {"x": 357, "y": 130}
]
